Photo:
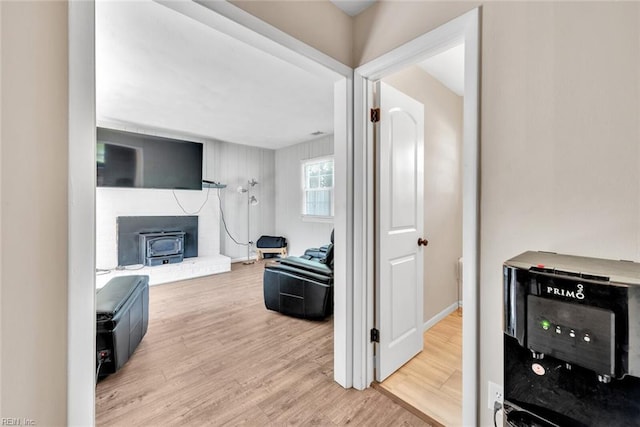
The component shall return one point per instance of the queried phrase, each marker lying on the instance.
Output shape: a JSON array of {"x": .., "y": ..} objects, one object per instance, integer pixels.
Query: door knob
[{"x": 422, "y": 242}]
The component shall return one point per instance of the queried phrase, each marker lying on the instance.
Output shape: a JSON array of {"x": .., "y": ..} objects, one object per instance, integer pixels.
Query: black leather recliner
[
  {"x": 319, "y": 254},
  {"x": 301, "y": 286}
]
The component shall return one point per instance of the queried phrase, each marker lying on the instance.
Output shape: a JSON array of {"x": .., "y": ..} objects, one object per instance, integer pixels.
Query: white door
[{"x": 400, "y": 182}]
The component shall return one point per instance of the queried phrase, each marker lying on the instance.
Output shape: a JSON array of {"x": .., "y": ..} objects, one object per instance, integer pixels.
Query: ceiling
[
  {"x": 448, "y": 67},
  {"x": 159, "y": 70},
  {"x": 353, "y": 7}
]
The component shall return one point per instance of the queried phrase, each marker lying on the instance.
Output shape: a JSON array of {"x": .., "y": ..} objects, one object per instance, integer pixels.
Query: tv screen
[{"x": 126, "y": 159}]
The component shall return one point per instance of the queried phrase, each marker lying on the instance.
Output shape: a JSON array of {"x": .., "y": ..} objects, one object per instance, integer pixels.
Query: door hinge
[
  {"x": 375, "y": 115},
  {"x": 375, "y": 335}
]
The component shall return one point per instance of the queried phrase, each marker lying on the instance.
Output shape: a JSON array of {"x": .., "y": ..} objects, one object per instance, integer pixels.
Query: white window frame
[{"x": 303, "y": 181}]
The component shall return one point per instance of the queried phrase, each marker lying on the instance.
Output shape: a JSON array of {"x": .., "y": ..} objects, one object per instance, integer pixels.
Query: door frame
[
  {"x": 465, "y": 28},
  {"x": 81, "y": 185}
]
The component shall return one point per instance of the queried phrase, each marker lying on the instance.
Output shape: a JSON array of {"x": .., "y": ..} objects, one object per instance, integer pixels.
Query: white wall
[
  {"x": 114, "y": 202},
  {"x": 231, "y": 164},
  {"x": 442, "y": 185},
  {"x": 234, "y": 165},
  {"x": 300, "y": 234},
  {"x": 34, "y": 200}
]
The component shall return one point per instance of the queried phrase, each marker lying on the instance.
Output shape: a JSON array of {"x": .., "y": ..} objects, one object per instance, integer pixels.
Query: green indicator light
[{"x": 545, "y": 324}]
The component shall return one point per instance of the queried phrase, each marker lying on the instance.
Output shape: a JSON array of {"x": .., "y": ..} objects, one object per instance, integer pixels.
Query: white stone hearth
[{"x": 187, "y": 269}]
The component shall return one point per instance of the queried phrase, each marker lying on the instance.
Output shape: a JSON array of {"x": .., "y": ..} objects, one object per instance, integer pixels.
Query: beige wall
[
  {"x": 442, "y": 185},
  {"x": 389, "y": 24},
  {"x": 560, "y": 152},
  {"x": 560, "y": 110},
  {"x": 33, "y": 250},
  {"x": 319, "y": 24},
  {"x": 1, "y": 223}
]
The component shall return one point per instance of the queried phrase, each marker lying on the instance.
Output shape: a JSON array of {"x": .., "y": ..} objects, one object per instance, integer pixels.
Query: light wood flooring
[
  {"x": 213, "y": 355},
  {"x": 431, "y": 382}
]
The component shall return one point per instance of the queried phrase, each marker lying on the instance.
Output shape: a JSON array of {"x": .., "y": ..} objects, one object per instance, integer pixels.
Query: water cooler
[{"x": 571, "y": 341}]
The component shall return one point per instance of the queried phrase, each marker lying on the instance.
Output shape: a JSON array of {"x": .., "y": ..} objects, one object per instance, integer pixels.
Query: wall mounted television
[{"x": 126, "y": 159}]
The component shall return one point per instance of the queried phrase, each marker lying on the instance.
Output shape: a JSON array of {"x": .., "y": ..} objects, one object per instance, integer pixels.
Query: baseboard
[
  {"x": 438, "y": 317},
  {"x": 460, "y": 303},
  {"x": 243, "y": 259}
]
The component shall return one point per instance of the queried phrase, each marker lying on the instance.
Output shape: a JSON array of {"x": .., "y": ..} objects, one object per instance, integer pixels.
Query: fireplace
[
  {"x": 161, "y": 248},
  {"x": 156, "y": 240}
]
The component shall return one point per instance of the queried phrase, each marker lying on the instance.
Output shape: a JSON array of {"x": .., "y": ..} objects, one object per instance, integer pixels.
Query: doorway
[
  {"x": 82, "y": 135},
  {"x": 431, "y": 382},
  {"x": 464, "y": 29}
]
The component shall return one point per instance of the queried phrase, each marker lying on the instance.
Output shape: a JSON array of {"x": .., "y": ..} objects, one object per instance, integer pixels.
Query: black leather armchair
[{"x": 301, "y": 286}]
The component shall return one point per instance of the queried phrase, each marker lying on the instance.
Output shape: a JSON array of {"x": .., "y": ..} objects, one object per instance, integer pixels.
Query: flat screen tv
[{"x": 126, "y": 159}]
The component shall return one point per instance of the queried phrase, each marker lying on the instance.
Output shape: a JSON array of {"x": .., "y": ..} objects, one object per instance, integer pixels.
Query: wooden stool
[{"x": 261, "y": 251}]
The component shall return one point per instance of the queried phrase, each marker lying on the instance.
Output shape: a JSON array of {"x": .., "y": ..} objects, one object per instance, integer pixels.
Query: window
[{"x": 317, "y": 187}]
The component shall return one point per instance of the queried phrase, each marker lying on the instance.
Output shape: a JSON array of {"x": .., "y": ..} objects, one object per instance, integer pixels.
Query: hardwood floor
[
  {"x": 431, "y": 383},
  {"x": 213, "y": 355}
]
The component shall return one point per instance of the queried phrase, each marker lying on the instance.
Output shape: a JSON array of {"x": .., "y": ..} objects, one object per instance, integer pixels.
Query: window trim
[{"x": 303, "y": 181}]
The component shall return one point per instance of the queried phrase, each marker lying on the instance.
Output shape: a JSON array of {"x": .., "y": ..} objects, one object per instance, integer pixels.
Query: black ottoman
[{"x": 122, "y": 314}]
